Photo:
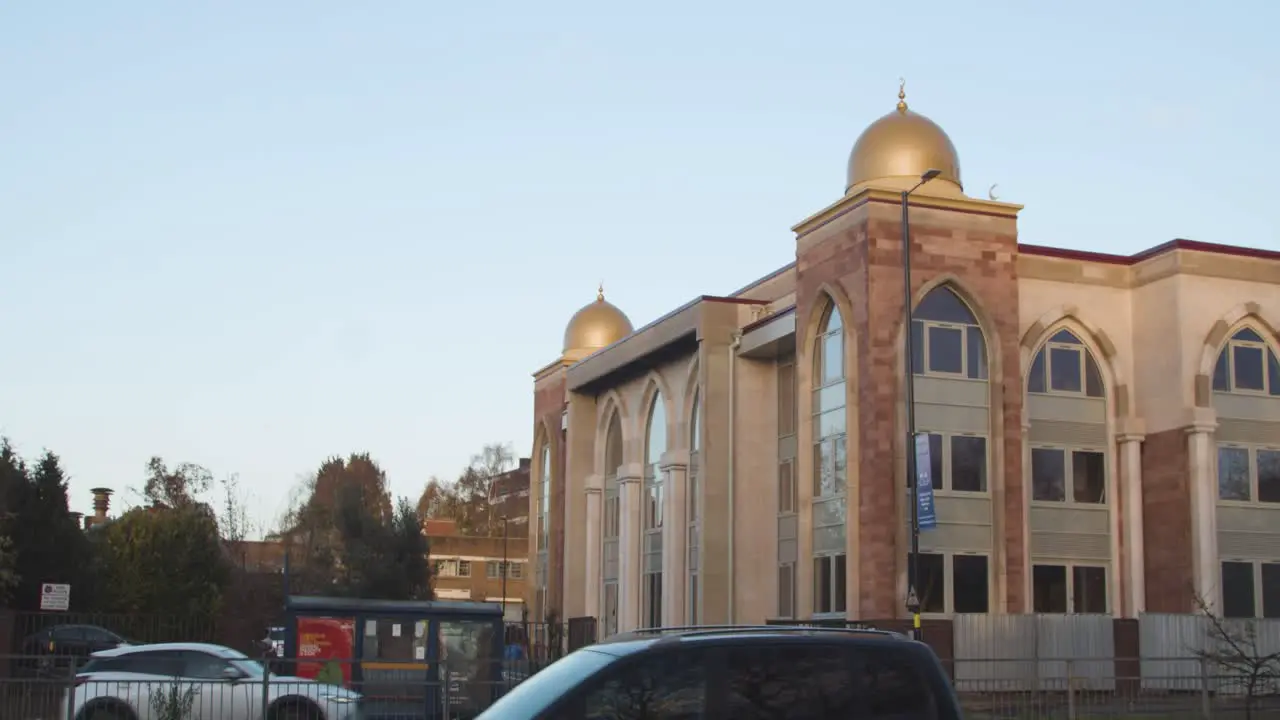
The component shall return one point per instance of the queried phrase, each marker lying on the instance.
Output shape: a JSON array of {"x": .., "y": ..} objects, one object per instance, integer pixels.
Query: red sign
[{"x": 326, "y": 649}]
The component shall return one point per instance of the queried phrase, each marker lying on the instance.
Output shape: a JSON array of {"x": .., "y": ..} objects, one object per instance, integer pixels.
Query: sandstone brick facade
[
  {"x": 1166, "y": 505},
  {"x": 549, "y": 406}
]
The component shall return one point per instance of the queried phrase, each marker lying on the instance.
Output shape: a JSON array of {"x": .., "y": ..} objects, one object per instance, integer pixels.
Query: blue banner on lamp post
[{"x": 926, "y": 513}]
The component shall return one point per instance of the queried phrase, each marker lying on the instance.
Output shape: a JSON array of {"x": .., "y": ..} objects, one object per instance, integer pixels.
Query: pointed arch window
[
  {"x": 946, "y": 339},
  {"x": 1247, "y": 364},
  {"x": 829, "y": 463},
  {"x": 544, "y": 529},
  {"x": 1064, "y": 366},
  {"x": 612, "y": 508},
  {"x": 693, "y": 511},
  {"x": 654, "y": 488}
]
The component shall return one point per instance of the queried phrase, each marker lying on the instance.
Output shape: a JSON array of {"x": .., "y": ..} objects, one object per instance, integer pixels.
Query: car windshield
[{"x": 531, "y": 697}]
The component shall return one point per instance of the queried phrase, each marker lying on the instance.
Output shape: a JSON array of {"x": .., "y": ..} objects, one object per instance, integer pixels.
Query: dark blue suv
[{"x": 739, "y": 673}]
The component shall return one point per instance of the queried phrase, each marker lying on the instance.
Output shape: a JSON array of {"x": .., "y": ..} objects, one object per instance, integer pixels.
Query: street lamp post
[{"x": 913, "y": 570}]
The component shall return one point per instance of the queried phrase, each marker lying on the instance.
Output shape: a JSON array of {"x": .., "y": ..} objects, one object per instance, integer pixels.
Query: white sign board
[{"x": 55, "y": 596}]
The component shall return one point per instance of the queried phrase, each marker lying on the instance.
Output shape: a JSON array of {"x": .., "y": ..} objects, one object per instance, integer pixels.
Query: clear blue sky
[{"x": 253, "y": 234}]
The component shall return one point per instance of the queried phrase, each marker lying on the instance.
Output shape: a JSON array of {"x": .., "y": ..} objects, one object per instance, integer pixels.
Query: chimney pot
[{"x": 101, "y": 503}]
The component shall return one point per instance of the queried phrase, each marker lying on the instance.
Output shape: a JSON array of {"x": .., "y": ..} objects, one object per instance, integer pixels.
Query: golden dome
[
  {"x": 894, "y": 151},
  {"x": 598, "y": 325}
]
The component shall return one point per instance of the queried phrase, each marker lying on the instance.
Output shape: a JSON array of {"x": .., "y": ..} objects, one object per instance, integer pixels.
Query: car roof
[
  {"x": 639, "y": 640},
  {"x": 219, "y": 650}
]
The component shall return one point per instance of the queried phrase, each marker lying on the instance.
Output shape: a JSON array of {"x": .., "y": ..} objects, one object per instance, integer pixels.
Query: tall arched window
[
  {"x": 651, "y": 552},
  {"x": 1070, "y": 511},
  {"x": 612, "y": 525},
  {"x": 946, "y": 339},
  {"x": 1246, "y": 384},
  {"x": 544, "y": 525},
  {"x": 952, "y": 406},
  {"x": 693, "y": 511},
  {"x": 829, "y": 460}
]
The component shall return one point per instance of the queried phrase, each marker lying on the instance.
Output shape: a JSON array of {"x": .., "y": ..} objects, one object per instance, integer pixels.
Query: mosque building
[{"x": 1103, "y": 431}]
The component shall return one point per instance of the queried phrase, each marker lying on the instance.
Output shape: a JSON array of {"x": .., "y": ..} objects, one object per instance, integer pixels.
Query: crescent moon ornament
[{"x": 991, "y": 192}]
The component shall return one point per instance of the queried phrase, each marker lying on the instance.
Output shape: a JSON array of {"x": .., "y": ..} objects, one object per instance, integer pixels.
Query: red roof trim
[{"x": 1161, "y": 249}]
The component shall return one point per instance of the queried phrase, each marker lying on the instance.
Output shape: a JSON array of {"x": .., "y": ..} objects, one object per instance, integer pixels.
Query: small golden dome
[
  {"x": 598, "y": 325},
  {"x": 894, "y": 151}
]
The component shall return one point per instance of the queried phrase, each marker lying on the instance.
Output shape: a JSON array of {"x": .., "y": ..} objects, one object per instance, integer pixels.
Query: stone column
[
  {"x": 594, "y": 541},
  {"x": 675, "y": 532},
  {"x": 579, "y": 465},
  {"x": 1129, "y": 440},
  {"x": 630, "y": 485},
  {"x": 1203, "y": 480}
]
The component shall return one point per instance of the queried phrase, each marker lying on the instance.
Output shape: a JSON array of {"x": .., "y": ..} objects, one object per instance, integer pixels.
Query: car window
[
  {"x": 814, "y": 681},
  {"x": 202, "y": 666},
  {"x": 99, "y": 635},
  {"x": 667, "y": 685},
  {"x": 165, "y": 663},
  {"x": 68, "y": 633}
]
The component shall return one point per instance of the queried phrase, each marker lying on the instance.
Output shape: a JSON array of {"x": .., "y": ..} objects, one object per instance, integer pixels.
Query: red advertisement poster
[{"x": 326, "y": 647}]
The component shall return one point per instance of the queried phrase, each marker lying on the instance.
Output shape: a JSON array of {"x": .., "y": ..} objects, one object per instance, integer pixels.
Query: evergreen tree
[{"x": 47, "y": 541}]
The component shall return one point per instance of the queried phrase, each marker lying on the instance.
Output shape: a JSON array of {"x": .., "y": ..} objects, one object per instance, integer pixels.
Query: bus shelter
[{"x": 434, "y": 659}]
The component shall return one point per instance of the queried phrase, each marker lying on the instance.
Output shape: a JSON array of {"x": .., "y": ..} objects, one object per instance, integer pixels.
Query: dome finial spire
[
  {"x": 600, "y": 292},
  {"x": 902, "y": 95}
]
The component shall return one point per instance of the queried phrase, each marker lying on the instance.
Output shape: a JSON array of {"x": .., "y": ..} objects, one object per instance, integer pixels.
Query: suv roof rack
[{"x": 696, "y": 630}]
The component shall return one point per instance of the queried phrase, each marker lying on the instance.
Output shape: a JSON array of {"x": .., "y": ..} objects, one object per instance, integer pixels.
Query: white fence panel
[{"x": 1001, "y": 653}]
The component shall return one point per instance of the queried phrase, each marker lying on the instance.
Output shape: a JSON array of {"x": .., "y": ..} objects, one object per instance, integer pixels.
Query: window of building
[
  {"x": 1247, "y": 364},
  {"x": 544, "y": 497},
  {"x": 786, "y": 591},
  {"x": 958, "y": 462},
  {"x": 1052, "y": 466},
  {"x": 953, "y": 583},
  {"x": 612, "y": 510},
  {"x": 515, "y": 571},
  {"x": 1248, "y": 473},
  {"x": 829, "y": 466},
  {"x": 1250, "y": 589},
  {"x": 544, "y": 525},
  {"x": 693, "y": 498},
  {"x": 1068, "y": 588},
  {"x": 787, "y": 487},
  {"x": 946, "y": 339},
  {"x": 1064, "y": 366},
  {"x": 654, "y": 487},
  {"x": 788, "y": 500},
  {"x": 829, "y": 584}
]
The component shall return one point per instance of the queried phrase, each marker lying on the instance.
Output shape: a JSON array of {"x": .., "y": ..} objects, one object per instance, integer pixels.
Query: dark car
[
  {"x": 52, "y": 650},
  {"x": 739, "y": 673}
]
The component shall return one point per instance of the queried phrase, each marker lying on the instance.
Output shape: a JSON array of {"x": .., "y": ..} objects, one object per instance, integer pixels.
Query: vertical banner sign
[{"x": 924, "y": 485}]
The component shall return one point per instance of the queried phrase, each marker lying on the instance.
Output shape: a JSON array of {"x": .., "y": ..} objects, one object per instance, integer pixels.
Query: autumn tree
[
  {"x": 439, "y": 501},
  {"x": 182, "y": 486},
  {"x": 475, "y": 486},
  {"x": 46, "y": 541},
  {"x": 350, "y": 537}
]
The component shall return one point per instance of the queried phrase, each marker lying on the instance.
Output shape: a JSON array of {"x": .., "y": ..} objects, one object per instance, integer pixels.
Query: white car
[{"x": 200, "y": 682}]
